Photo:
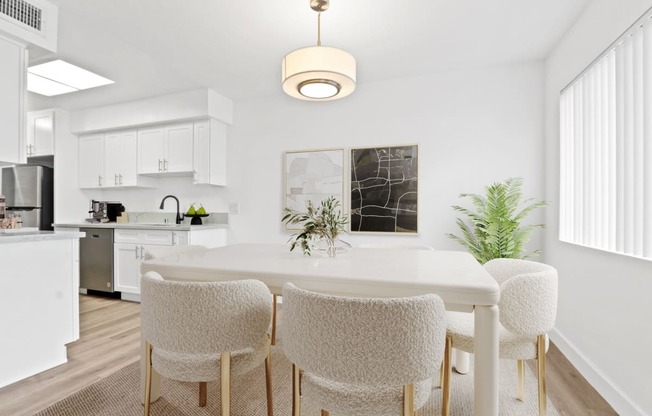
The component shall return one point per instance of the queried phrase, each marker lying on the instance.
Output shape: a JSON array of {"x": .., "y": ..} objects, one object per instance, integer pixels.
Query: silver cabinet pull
[
  {"x": 159, "y": 165},
  {"x": 194, "y": 176},
  {"x": 142, "y": 253},
  {"x": 120, "y": 181},
  {"x": 99, "y": 180},
  {"x": 136, "y": 252},
  {"x": 165, "y": 165},
  {"x": 115, "y": 179}
]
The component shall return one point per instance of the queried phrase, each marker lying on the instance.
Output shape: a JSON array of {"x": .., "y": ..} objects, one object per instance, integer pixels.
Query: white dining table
[{"x": 456, "y": 276}]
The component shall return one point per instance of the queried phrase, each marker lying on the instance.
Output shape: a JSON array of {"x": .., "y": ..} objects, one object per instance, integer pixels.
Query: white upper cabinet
[
  {"x": 209, "y": 153},
  {"x": 165, "y": 149},
  {"x": 121, "y": 159},
  {"x": 91, "y": 161},
  {"x": 112, "y": 157},
  {"x": 133, "y": 157},
  {"x": 13, "y": 72},
  {"x": 40, "y": 133}
]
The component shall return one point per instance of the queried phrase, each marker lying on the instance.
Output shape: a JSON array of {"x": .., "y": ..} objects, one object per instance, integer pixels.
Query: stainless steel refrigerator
[{"x": 29, "y": 192}]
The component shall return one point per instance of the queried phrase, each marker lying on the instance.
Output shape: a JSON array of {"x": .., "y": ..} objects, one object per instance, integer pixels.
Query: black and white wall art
[{"x": 384, "y": 189}]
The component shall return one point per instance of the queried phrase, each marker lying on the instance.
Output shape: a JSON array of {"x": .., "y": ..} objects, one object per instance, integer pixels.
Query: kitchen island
[{"x": 39, "y": 303}]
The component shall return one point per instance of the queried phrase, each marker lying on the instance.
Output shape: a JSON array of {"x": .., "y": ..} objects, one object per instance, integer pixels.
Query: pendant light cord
[{"x": 319, "y": 29}]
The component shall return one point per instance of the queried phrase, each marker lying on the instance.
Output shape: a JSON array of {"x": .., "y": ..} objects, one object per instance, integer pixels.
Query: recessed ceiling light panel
[{"x": 70, "y": 77}]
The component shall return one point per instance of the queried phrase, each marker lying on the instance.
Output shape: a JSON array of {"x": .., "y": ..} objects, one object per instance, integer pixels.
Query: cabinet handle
[
  {"x": 159, "y": 165},
  {"x": 136, "y": 252},
  {"x": 194, "y": 176},
  {"x": 115, "y": 179},
  {"x": 99, "y": 180},
  {"x": 165, "y": 165},
  {"x": 120, "y": 177}
]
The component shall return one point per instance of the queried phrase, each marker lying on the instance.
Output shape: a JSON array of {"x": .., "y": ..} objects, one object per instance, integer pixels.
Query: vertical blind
[{"x": 606, "y": 148}]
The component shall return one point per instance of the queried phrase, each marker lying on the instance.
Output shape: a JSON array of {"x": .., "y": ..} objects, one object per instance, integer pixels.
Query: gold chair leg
[
  {"x": 268, "y": 383},
  {"x": 408, "y": 400},
  {"x": 441, "y": 375},
  {"x": 520, "y": 369},
  {"x": 447, "y": 372},
  {"x": 225, "y": 382},
  {"x": 274, "y": 320},
  {"x": 202, "y": 394},
  {"x": 324, "y": 412},
  {"x": 541, "y": 374},
  {"x": 148, "y": 376},
  {"x": 296, "y": 391}
]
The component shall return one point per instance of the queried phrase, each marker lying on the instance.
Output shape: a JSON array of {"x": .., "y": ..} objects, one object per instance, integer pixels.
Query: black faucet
[{"x": 179, "y": 215}]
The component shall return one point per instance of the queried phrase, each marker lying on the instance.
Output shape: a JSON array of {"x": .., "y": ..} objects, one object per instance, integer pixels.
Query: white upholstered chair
[
  {"x": 527, "y": 308},
  {"x": 362, "y": 356},
  {"x": 205, "y": 331}
]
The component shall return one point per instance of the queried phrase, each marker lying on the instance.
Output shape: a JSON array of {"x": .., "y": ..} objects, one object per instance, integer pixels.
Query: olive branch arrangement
[{"x": 325, "y": 221}]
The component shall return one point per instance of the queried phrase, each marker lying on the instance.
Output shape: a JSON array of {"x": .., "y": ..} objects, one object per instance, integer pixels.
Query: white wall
[
  {"x": 473, "y": 127},
  {"x": 603, "y": 322}
]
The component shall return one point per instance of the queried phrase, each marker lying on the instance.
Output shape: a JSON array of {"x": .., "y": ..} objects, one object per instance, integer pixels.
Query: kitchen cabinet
[
  {"x": 129, "y": 251},
  {"x": 130, "y": 246},
  {"x": 13, "y": 73},
  {"x": 165, "y": 149},
  {"x": 121, "y": 159},
  {"x": 209, "y": 159},
  {"x": 40, "y": 133},
  {"x": 91, "y": 161},
  {"x": 109, "y": 160}
]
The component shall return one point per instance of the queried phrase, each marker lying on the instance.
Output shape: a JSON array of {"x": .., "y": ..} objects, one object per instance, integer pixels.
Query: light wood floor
[{"x": 110, "y": 340}]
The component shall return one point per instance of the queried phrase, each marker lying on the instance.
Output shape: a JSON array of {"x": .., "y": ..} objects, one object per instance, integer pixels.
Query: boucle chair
[
  {"x": 205, "y": 331},
  {"x": 362, "y": 356},
  {"x": 528, "y": 309}
]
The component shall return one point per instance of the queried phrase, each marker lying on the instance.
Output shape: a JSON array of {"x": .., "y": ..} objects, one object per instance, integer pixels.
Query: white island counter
[{"x": 39, "y": 303}]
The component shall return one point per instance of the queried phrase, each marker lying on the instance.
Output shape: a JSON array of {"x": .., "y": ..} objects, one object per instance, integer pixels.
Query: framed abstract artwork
[
  {"x": 384, "y": 189},
  {"x": 313, "y": 175}
]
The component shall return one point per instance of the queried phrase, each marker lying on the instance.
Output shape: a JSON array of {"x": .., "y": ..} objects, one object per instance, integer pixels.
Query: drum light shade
[{"x": 318, "y": 73}]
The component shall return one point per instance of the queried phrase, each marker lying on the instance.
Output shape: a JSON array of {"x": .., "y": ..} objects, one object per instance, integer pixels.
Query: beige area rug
[{"x": 119, "y": 394}]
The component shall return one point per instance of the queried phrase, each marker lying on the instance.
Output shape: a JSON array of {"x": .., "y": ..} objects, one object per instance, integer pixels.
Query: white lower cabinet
[
  {"x": 130, "y": 247},
  {"x": 126, "y": 266}
]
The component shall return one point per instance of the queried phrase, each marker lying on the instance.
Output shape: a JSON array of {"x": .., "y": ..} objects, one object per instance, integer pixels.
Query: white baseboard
[
  {"x": 621, "y": 403},
  {"x": 130, "y": 297}
]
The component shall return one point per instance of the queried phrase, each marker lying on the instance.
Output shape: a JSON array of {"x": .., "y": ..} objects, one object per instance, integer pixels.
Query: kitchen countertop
[
  {"x": 18, "y": 236},
  {"x": 143, "y": 226}
]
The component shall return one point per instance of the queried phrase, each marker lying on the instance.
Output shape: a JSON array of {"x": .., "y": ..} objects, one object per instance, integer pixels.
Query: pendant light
[{"x": 318, "y": 73}]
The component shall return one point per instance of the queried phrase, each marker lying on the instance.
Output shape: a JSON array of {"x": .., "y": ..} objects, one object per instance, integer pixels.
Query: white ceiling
[{"x": 154, "y": 47}]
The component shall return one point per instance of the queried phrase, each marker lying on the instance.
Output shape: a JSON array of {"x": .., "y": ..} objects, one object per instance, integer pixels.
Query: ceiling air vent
[{"x": 23, "y": 12}]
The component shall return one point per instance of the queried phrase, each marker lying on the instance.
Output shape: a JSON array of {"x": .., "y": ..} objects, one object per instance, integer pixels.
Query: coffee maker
[
  {"x": 104, "y": 211},
  {"x": 97, "y": 209},
  {"x": 114, "y": 210}
]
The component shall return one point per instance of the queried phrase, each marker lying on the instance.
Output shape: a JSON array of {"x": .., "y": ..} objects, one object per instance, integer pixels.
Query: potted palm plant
[
  {"x": 322, "y": 223},
  {"x": 493, "y": 228}
]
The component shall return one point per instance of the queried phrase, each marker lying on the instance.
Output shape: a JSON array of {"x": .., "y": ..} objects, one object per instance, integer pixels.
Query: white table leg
[
  {"x": 156, "y": 378},
  {"x": 461, "y": 361},
  {"x": 486, "y": 361}
]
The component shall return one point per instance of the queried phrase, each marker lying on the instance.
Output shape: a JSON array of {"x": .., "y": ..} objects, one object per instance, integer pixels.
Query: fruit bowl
[{"x": 196, "y": 218}]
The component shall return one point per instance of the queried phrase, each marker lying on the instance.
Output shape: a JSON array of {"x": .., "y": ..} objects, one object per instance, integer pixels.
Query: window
[{"x": 606, "y": 148}]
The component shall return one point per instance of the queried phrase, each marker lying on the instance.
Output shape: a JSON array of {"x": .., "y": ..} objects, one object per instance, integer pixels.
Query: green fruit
[
  {"x": 201, "y": 211},
  {"x": 191, "y": 210}
]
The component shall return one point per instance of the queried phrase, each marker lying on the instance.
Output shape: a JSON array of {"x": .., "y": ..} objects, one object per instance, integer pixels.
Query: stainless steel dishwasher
[{"x": 96, "y": 259}]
